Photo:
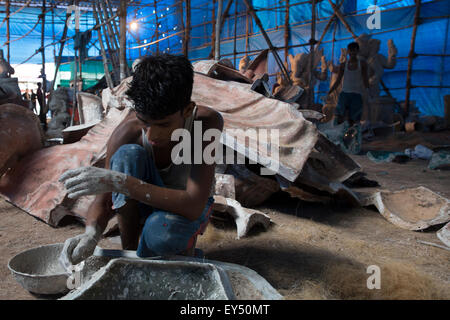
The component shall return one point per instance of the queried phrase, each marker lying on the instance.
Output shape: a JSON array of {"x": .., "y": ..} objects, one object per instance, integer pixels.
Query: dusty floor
[{"x": 311, "y": 251}]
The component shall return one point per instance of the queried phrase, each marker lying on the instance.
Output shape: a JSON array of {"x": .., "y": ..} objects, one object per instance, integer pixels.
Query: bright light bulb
[{"x": 133, "y": 26}]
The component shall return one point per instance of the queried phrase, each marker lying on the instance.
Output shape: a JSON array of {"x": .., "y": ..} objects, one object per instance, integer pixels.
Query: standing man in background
[
  {"x": 350, "y": 102},
  {"x": 42, "y": 106}
]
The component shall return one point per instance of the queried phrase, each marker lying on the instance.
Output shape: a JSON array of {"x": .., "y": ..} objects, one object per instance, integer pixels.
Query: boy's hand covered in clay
[
  {"x": 79, "y": 248},
  {"x": 92, "y": 180}
]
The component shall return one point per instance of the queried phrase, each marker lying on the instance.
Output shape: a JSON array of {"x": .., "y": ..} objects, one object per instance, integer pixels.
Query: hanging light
[{"x": 134, "y": 25}]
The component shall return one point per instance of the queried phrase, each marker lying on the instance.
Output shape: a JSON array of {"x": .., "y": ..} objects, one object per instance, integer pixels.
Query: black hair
[
  {"x": 353, "y": 45},
  {"x": 161, "y": 85}
]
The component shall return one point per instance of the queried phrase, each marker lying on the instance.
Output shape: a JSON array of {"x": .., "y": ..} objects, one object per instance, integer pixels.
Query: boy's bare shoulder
[
  {"x": 128, "y": 131},
  {"x": 211, "y": 119}
]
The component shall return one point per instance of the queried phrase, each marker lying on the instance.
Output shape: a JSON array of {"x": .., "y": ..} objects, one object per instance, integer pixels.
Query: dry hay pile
[{"x": 320, "y": 274}]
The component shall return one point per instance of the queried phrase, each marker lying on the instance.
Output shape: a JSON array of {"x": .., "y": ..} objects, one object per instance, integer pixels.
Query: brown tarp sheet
[{"x": 33, "y": 184}]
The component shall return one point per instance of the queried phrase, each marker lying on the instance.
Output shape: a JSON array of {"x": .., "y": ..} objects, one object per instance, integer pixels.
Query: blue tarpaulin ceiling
[{"x": 166, "y": 19}]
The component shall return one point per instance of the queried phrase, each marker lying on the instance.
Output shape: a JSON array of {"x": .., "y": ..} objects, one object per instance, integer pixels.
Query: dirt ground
[{"x": 311, "y": 251}]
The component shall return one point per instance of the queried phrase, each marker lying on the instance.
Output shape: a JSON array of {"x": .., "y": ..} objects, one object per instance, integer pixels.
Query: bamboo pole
[
  {"x": 8, "y": 50},
  {"x": 187, "y": 30},
  {"x": 117, "y": 31},
  {"x": 44, "y": 77},
  {"x": 61, "y": 48},
  {"x": 218, "y": 29},
  {"x": 123, "y": 39},
  {"x": 332, "y": 18},
  {"x": 286, "y": 33},
  {"x": 75, "y": 78},
  {"x": 342, "y": 19},
  {"x": 65, "y": 39},
  {"x": 111, "y": 33},
  {"x": 109, "y": 81},
  {"x": 213, "y": 24},
  {"x": 269, "y": 43},
  {"x": 246, "y": 31},
  {"x": 157, "y": 26},
  {"x": 444, "y": 49},
  {"x": 112, "y": 53},
  {"x": 103, "y": 25},
  {"x": 235, "y": 30},
  {"x": 312, "y": 42},
  {"x": 411, "y": 56},
  {"x": 222, "y": 22},
  {"x": 53, "y": 33},
  {"x": 334, "y": 40},
  {"x": 110, "y": 14}
]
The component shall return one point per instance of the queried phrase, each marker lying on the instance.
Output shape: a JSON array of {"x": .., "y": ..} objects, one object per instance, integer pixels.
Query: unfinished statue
[
  {"x": 9, "y": 87},
  {"x": 377, "y": 108},
  {"x": 58, "y": 104},
  {"x": 332, "y": 99},
  {"x": 301, "y": 76},
  {"x": 244, "y": 63}
]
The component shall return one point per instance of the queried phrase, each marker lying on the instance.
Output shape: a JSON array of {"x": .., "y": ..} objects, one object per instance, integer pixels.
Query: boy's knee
[
  {"x": 128, "y": 152},
  {"x": 160, "y": 236}
]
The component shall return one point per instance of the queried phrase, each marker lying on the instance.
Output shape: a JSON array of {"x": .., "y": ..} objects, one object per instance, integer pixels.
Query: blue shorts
[
  {"x": 164, "y": 233},
  {"x": 350, "y": 102}
]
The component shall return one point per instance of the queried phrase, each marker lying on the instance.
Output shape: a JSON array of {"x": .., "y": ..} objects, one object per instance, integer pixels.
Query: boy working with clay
[{"x": 161, "y": 206}]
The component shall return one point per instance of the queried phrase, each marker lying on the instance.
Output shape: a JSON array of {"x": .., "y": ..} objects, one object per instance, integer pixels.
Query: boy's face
[{"x": 159, "y": 132}]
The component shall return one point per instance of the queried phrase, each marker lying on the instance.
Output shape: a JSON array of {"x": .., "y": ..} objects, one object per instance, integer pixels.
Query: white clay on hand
[
  {"x": 92, "y": 180},
  {"x": 79, "y": 248}
]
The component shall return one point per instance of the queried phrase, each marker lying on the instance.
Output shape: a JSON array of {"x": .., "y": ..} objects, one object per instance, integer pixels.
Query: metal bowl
[{"x": 39, "y": 271}]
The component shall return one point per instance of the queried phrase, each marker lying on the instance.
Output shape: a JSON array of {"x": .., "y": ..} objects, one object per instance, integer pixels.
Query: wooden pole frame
[
  {"x": 112, "y": 52},
  {"x": 235, "y": 29},
  {"x": 187, "y": 29},
  {"x": 330, "y": 21},
  {"x": 342, "y": 19},
  {"x": 61, "y": 48},
  {"x": 157, "y": 25},
  {"x": 44, "y": 77},
  {"x": 286, "y": 33},
  {"x": 123, "y": 39},
  {"x": 246, "y": 31},
  {"x": 75, "y": 80},
  {"x": 213, "y": 24},
  {"x": 111, "y": 33},
  {"x": 218, "y": 29},
  {"x": 109, "y": 81},
  {"x": 312, "y": 42},
  {"x": 222, "y": 22},
  {"x": 269, "y": 43},
  {"x": 110, "y": 14},
  {"x": 411, "y": 56},
  {"x": 8, "y": 48}
]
